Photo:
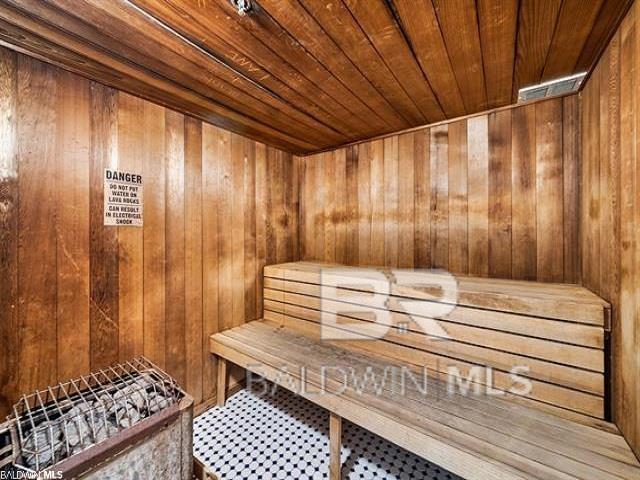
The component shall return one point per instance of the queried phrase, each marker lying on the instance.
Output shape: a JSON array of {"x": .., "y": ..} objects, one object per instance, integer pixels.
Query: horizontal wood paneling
[
  {"x": 312, "y": 75},
  {"x": 610, "y": 210},
  {"x": 481, "y": 196},
  {"x": 76, "y": 295}
]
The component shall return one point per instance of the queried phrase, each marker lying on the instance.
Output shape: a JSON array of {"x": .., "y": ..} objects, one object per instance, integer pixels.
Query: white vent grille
[{"x": 552, "y": 88}]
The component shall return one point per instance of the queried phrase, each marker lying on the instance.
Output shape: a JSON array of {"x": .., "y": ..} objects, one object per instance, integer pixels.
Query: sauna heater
[{"x": 129, "y": 420}]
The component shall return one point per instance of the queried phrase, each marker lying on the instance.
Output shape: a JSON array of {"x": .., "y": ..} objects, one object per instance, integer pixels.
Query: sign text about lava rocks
[{"x": 122, "y": 198}]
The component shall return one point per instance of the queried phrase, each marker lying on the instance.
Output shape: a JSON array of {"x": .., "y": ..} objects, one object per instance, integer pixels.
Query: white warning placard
[{"x": 122, "y": 198}]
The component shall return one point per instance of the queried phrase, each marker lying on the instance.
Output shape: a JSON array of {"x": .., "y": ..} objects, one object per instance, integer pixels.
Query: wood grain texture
[
  {"x": 72, "y": 225},
  {"x": 422, "y": 198},
  {"x": 524, "y": 196},
  {"x": 37, "y": 268},
  {"x": 439, "y": 157},
  {"x": 9, "y": 319},
  {"x": 298, "y": 294},
  {"x": 458, "y": 20},
  {"x": 77, "y": 295},
  {"x": 465, "y": 192},
  {"x": 549, "y": 191},
  {"x": 491, "y": 441},
  {"x": 391, "y": 176},
  {"x": 609, "y": 210},
  {"x": 104, "y": 248},
  {"x": 478, "y": 194},
  {"x": 210, "y": 184},
  {"x": 406, "y": 200},
  {"x": 498, "y": 21},
  {"x": 175, "y": 228},
  {"x": 500, "y": 214},
  {"x": 571, "y": 177},
  {"x": 193, "y": 257},
  {"x": 308, "y": 76},
  {"x": 458, "y": 198},
  {"x": 536, "y": 31},
  {"x": 130, "y": 146},
  {"x": 153, "y": 233}
]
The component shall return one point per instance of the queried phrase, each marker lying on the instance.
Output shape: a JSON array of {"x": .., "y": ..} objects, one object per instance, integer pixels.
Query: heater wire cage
[{"x": 53, "y": 424}]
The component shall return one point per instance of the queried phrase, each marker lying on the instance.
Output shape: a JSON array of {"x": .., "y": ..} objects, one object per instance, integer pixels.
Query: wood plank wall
[
  {"x": 75, "y": 295},
  {"x": 610, "y": 209},
  {"x": 491, "y": 195}
]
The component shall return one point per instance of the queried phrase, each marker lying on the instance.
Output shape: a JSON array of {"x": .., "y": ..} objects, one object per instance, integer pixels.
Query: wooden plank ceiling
[{"x": 306, "y": 75}]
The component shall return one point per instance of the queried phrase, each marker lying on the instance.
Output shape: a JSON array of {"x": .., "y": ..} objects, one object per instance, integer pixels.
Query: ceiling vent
[{"x": 552, "y": 88}]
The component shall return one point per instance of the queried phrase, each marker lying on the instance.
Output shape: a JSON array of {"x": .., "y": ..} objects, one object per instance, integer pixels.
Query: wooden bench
[{"x": 557, "y": 430}]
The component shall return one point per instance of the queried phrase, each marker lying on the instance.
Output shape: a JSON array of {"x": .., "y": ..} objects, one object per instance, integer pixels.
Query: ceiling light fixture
[{"x": 243, "y": 6}]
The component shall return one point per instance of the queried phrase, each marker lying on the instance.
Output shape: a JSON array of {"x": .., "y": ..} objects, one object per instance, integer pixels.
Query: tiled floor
[{"x": 286, "y": 437}]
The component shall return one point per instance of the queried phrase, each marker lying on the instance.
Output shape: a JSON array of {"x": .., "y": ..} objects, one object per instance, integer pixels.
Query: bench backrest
[{"x": 555, "y": 331}]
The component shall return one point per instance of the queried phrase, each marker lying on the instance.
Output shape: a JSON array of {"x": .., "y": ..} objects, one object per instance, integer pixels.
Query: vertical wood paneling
[
  {"x": 590, "y": 185},
  {"x": 130, "y": 240},
  {"x": 76, "y": 295},
  {"x": 9, "y": 319},
  {"x": 37, "y": 91},
  {"x": 72, "y": 225},
  {"x": 318, "y": 209},
  {"x": 624, "y": 336},
  {"x": 364, "y": 203},
  {"x": 460, "y": 196},
  {"x": 175, "y": 225},
  {"x": 352, "y": 219},
  {"x": 376, "y": 171},
  {"x": 193, "y": 257},
  {"x": 610, "y": 210},
  {"x": 339, "y": 216},
  {"x": 391, "y": 201},
  {"x": 422, "y": 198},
  {"x": 305, "y": 217},
  {"x": 236, "y": 286},
  {"x": 478, "y": 194},
  {"x": 500, "y": 246},
  {"x": 571, "y": 187},
  {"x": 154, "y": 240},
  {"x": 225, "y": 241},
  {"x": 458, "y": 212},
  {"x": 291, "y": 180},
  {"x": 406, "y": 200},
  {"x": 276, "y": 168},
  {"x": 439, "y": 168},
  {"x": 103, "y": 250},
  {"x": 549, "y": 227},
  {"x": 631, "y": 327},
  {"x": 328, "y": 206},
  {"x": 261, "y": 220},
  {"x": 238, "y": 160},
  {"x": 523, "y": 154},
  {"x": 610, "y": 168},
  {"x": 250, "y": 272},
  {"x": 211, "y": 198}
]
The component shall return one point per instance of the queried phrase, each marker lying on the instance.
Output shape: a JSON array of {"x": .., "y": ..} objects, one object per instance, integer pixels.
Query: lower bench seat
[{"x": 476, "y": 437}]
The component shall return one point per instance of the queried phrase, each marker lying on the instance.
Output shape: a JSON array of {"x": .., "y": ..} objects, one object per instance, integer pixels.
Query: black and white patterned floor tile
[{"x": 284, "y": 436}]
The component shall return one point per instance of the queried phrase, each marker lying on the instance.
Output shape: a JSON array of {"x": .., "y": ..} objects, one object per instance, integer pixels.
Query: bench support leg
[
  {"x": 335, "y": 442},
  {"x": 221, "y": 391}
]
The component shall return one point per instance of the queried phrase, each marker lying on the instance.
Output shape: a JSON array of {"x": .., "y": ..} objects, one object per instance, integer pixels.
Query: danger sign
[{"x": 122, "y": 198}]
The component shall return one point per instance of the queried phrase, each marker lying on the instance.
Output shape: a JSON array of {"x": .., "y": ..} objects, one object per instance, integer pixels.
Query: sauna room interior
[{"x": 303, "y": 239}]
